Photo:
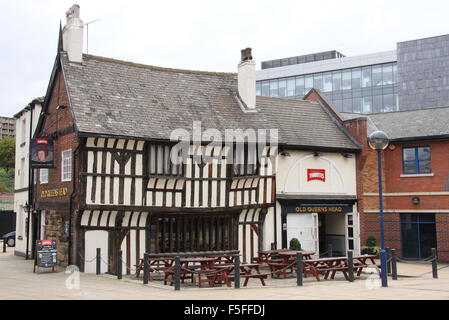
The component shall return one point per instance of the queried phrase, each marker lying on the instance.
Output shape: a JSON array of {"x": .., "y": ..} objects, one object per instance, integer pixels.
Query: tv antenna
[{"x": 87, "y": 30}]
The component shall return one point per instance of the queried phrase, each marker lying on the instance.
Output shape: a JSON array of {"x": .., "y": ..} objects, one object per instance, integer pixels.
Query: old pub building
[{"x": 113, "y": 185}]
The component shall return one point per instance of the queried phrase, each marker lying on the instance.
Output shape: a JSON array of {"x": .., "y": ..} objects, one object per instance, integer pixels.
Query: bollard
[
  {"x": 4, "y": 244},
  {"x": 98, "y": 258},
  {"x": 119, "y": 265},
  {"x": 329, "y": 250},
  {"x": 146, "y": 268},
  {"x": 434, "y": 263},
  {"x": 350, "y": 266},
  {"x": 388, "y": 260},
  {"x": 237, "y": 271},
  {"x": 383, "y": 268},
  {"x": 177, "y": 273},
  {"x": 299, "y": 275},
  {"x": 394, "y": 267}
]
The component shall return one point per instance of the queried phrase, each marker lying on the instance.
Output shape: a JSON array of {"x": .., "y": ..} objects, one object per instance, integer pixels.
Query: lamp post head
[{"x": 378, "y": 140}]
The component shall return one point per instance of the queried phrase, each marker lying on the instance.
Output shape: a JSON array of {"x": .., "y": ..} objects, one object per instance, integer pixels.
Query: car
[{"x": 10, "y": 239}]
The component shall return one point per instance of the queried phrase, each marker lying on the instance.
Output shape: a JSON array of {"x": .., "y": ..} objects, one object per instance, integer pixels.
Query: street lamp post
[{"x": 378, "y": 140}]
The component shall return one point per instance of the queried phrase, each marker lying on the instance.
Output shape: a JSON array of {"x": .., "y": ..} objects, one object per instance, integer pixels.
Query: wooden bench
[
  {"x": 279, "y": 268},
  {"x": 261, "y": 276}
]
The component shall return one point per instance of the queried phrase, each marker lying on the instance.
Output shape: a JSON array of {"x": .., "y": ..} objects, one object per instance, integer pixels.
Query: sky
[{"x": 201, "y": 35}]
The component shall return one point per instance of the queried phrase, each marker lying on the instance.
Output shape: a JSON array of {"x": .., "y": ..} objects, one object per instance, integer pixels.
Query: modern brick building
[
  {"x": 415, "y": 178},
  {"x": 416, "y": 182}
]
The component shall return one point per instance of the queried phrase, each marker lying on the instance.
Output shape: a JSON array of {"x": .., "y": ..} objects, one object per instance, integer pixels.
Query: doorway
[
  {"x": 418, "y": 233},
  {"x": 332, "y": 231}
]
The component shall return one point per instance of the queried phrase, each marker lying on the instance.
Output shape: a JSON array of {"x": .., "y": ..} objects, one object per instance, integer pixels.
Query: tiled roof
[
  {"x": 422, "y": 123},
  {"x": 118, "y": 98}
]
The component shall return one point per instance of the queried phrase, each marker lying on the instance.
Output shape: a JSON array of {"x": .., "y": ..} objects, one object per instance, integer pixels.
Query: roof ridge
[{"x": 151, "y": 67}]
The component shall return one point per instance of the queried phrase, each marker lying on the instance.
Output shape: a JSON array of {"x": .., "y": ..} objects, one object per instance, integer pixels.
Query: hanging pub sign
[
  {"x": 316, "y": 174},
  {"x": 46, "y": 254},
  {"x": 42, "y": 155}
]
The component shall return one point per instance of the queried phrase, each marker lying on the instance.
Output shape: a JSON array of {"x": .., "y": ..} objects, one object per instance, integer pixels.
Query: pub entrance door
[{"x": 304, "y": 227}]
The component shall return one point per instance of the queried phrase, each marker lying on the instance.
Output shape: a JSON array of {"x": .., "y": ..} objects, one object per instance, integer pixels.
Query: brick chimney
[
  {"x": 72, "y": 34},
  {"x": 247, "y": 79}
]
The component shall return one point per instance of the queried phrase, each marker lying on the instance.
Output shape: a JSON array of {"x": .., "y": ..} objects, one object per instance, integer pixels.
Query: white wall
[
  {"x": 291, "y": 175},
  {"x": 21, "y": 172}
]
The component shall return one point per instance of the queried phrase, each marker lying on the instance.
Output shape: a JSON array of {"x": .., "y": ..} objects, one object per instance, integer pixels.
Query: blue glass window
[
  {"x": 416, "y": 160},
  {"x": 300, "y": 87},
  {"x": 291, "y": 87},
  {"x": 274, "y": 88},
  {"x": 362, "y": 90},
  {"x": 282, "y": 88}
]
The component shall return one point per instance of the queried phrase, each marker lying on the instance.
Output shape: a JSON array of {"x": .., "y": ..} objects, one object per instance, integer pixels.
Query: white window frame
[
  {"x": 66, "y": 176},
  {"x": 43, "y": 178}
]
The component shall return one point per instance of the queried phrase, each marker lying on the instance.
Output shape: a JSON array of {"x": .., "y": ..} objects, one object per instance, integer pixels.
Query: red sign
[
  {"x": 316, "y": 174},
  {"x": 46, "y": 242}
]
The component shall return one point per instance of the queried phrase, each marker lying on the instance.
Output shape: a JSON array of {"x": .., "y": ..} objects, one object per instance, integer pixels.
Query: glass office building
[{"x": 364, "y": 89}]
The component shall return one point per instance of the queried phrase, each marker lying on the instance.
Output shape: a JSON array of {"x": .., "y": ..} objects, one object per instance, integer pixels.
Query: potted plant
[
  {"x": 295, "y": 244},
  {"x": 370, "y": 246}
]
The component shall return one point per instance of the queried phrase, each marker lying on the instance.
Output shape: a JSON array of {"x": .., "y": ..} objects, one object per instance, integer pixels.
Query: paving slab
[{"x": 16, "y": 274}]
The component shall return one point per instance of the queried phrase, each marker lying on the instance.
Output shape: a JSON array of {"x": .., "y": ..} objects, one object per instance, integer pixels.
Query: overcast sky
[{"x": 202, "y": 35}]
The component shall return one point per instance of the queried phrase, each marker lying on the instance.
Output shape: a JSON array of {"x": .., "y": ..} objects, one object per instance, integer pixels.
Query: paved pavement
[{"x": 17, "y": 277}]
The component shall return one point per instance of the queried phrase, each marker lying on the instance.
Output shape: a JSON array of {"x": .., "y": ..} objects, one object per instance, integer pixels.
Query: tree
[{"x": 7, "y": 153}]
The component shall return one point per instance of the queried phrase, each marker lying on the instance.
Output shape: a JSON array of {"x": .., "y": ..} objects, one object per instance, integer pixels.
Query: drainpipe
[
  {"x": 72, "y": 195},
  {"x": 30, "y": 185}
]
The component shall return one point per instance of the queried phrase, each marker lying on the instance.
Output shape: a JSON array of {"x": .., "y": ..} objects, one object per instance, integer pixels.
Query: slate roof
[
  {"x": 409, "y": 125},
  {"x": 118, "y": 98}
]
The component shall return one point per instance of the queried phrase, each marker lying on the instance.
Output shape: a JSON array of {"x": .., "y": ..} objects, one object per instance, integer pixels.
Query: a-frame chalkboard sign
[{"x": 46, "y": 255}]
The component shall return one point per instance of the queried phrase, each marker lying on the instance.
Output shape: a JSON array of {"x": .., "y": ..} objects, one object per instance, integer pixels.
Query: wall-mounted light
[
  {"x": 346, "y": 155},
  {"x": 416, "y": 200},
  {"x": 316, "y": 154},
  {"x": 60, "y": 107},
  {"x": 285, "y": 154}
]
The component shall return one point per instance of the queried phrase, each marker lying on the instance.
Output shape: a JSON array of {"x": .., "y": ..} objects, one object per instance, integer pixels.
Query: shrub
[
  {"x": 295, "y": 244},
  {"x": 371, "y": 241}
]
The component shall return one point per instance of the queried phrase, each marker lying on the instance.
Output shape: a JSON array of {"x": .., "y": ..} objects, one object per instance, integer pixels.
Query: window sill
[{"x": 417, "y": 175}]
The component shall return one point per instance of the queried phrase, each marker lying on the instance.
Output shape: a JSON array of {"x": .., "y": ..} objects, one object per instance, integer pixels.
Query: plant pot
[{"x": 369, "y": 251}]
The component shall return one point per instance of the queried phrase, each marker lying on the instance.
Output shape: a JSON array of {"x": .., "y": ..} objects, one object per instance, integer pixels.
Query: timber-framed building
[{"x": 114, "y": 186}]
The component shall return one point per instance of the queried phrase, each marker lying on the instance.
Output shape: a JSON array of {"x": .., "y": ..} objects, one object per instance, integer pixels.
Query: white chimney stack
[
  {"x": 72, "y": 35},
  {"x": 247, "y": 79}
]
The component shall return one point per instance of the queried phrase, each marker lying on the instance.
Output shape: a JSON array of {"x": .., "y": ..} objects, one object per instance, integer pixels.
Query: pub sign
[
  {"x": 42, "y": 155},
  {"x": 316, "y": 174}
]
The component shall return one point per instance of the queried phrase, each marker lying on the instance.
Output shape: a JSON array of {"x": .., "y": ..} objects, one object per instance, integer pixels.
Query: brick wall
[
  {"x": 394, "y": 183},
  {"x": 59, "y": 125}
]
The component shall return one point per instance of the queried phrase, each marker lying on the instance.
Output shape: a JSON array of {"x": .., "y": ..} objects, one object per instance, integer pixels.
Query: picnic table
[
  {"x": 226, "y": 258},
  {"x": 201, "y": 266},
  {"x": 225, "y": 274},
  {"x": 291, "y": 255},
  {"x": 155, "y": 264},
  {"x": 266, "y": 255},
  {"x": 326, "y": 266},
  {"x": 287, "y": 263}
]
